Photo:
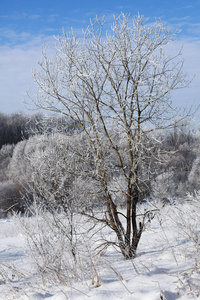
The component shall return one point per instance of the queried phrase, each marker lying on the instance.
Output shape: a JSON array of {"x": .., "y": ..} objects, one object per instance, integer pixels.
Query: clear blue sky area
[
  {"x": 25, "y": 25},
  {"x": 49, "y": 16}
]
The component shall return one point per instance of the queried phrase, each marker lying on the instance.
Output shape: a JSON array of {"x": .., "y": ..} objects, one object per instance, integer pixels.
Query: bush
[{"x": 60, "y": 244}]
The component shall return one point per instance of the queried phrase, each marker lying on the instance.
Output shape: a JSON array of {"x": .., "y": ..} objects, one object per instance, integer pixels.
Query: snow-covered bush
[
  {"x": 19, "y": 167},
  {"x": 185, "y": 218},
  {"x": 60, "y": 244},
  {"x": 163, "y": 187},
  {"x": 47, "y": 166}
]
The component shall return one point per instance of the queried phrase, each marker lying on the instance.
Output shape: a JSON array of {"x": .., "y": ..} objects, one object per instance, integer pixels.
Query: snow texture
[{"x": 166, "y": 266}]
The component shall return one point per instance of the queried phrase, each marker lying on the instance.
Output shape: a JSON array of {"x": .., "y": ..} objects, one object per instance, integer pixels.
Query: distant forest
[
  {"x": 18, "y": 126},
  {"x": 36, "y": 143}
]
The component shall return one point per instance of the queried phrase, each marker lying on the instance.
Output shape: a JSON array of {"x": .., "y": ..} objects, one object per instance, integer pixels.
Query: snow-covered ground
[{"x": 166, "y": 266}]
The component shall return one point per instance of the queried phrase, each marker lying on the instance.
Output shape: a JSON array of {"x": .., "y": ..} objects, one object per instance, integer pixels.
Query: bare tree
[{"x": 116, "y": 85}]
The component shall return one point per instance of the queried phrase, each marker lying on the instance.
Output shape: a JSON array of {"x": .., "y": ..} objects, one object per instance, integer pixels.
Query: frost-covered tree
[
  {"x": 46, "y": 166},
  {"x": 54, "y": 167},
  {"x": 116, "y": 85}
]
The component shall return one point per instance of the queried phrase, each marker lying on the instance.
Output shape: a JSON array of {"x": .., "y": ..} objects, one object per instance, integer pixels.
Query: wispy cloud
[
  {"x": 12, "y": 38},
  {"x": 189, "y": 6},
  {"x": 34, "y": 17},
  {"x": 179, "y": 19},
  {"x": 194, "y": 29},
  {"x": 75, "y": 20},
  {"x": 51, "y": 18},
  {"x": 20, "y": 16},
  {"x": 9, "y": 34}
]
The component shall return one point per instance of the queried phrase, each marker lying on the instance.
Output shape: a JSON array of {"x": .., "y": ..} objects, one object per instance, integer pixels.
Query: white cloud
[
  {"x": 191, "y": 54},
  {"x": 16, "y": 65},
  {"x": 13, "y": 36},
  {"x": 180, "y": 18},
  {"x": 17, "y": 62},
  {"x": 19, "y": 16}
]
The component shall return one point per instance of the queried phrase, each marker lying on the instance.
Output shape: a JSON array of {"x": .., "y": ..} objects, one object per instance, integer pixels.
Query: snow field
[{"x": 166, "y": 266}]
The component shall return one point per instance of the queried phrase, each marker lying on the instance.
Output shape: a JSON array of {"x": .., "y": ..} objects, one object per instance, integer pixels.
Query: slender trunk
[
  {"x": 132, "y": 235},
  {"x": 128, "y": 222},
  {"x": 134, "y": 225},
  {"x": 136, "y": 230},
  {"x": 113, "y": 218}
]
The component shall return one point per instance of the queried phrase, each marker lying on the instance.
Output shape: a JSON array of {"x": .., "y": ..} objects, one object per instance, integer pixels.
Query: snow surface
[{"x": 165, "y": 266}]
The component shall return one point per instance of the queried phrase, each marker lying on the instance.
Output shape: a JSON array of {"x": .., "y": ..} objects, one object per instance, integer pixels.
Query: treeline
[
  {"x": 18, "y": 126},
  {"x": 50, "y": 158}
]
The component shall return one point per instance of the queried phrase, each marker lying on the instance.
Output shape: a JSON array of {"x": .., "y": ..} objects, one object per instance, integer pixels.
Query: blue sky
[{"x": 25, "y": 25}]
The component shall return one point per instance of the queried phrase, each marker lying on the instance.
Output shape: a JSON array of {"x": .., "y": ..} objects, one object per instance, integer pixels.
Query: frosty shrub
[
  {"x": 47, "y": 166},
  {"x": 19, "y": 167},
  {"x": 60, "y": 244},
  {"x": 186, "y": 218},
  {"x": 163, "y": 187}
]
